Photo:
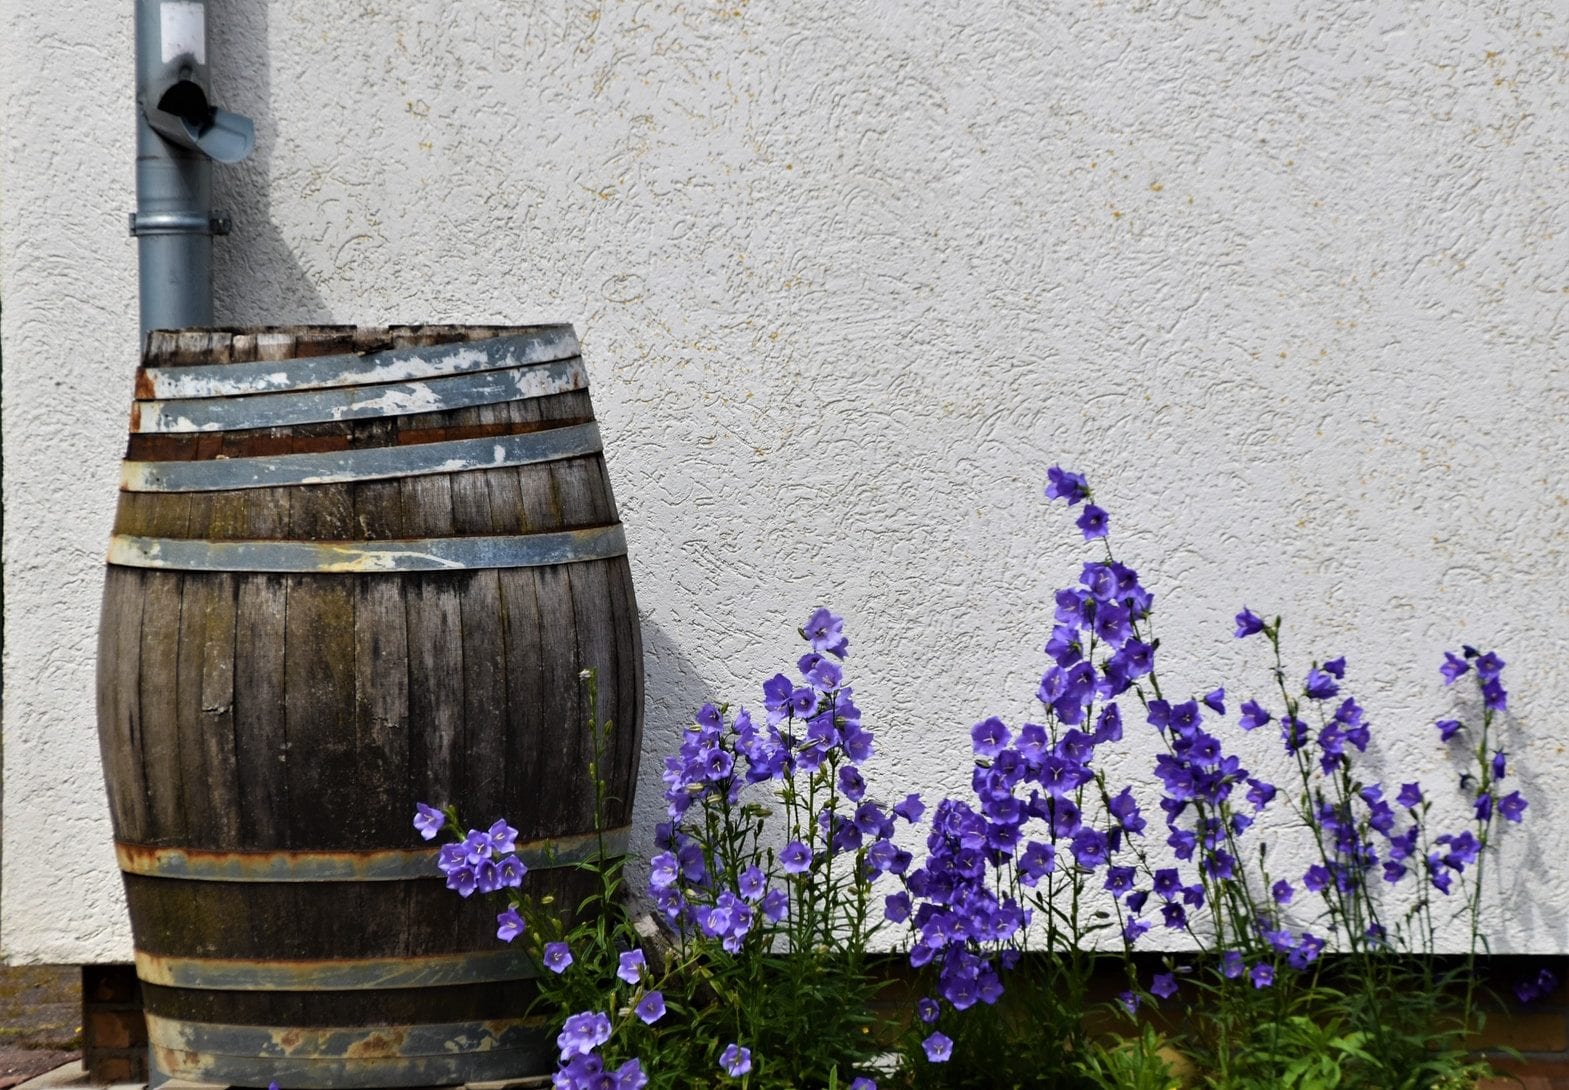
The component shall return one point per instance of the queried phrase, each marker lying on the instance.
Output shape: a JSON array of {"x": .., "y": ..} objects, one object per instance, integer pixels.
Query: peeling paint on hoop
[
  {"x": 197, "y": 865},
  {"x": 549, "y": 344},
  {"x": 370, "y": 557},
  {"x": 278, "y": 410},
  {"x": 363, "y": 464}
]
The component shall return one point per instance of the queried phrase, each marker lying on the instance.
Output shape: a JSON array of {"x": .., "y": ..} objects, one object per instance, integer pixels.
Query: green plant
[{"x": 1132, "y": 1063}]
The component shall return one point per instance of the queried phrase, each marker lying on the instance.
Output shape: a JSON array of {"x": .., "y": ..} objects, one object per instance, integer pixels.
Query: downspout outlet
[{"x": 179, "y": 134}]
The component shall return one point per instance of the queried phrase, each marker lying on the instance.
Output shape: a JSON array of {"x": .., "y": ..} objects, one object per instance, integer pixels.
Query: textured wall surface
[{"x": 1288, "y": 280}]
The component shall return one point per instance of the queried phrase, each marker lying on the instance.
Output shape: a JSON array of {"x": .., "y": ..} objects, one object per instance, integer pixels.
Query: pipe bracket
[{"x": 180, "y": 223}]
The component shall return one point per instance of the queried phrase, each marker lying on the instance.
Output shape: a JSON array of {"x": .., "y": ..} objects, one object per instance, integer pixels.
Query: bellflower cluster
[
  {"x": 1536, "y": 988},
  {"x": 1208, "y": 799},
  {"x": 488, "y": 861},
  {"x": 475, "y": 863},
  {"x": 582, "y": 1067},
  {"x": 483, "y": 861},
  {"x": 1492, "y": 765},
  {"x": 1041, "y": 830},
  {"x": 1358, "y": 831},
  {"x": 705, "y": 878},
  {"x": 737, "y": 890},
  {"x": 1366, "y": 838},
  {"x": 1041, "y": 838},
  {"x": 1369, "y": 838}
]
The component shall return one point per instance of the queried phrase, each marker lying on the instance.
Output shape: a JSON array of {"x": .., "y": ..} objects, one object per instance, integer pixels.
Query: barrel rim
[{"x": 340, "y": 404}]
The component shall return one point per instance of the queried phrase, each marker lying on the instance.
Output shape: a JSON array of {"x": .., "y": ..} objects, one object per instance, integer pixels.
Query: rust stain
[
  {"x": 377, "y": 1046},
  {"x": 136, "y": 416},
  {"x": 289, "y": 1039},
  {"x": 143, "y": 385},
  {"x": 180, "y": 1063}
]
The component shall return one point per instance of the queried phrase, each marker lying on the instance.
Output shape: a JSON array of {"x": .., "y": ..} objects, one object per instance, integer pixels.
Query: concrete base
[{"x": 71, "y": 1076}]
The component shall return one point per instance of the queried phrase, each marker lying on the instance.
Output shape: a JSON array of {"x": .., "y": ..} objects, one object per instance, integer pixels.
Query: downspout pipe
[{"x": 179, "y": 133}]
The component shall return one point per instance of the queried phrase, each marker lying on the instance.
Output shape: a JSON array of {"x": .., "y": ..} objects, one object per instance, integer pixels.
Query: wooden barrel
[{"x": 353, "y": 569}]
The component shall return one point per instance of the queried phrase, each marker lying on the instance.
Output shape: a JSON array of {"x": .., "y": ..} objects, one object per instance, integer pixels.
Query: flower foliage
[{"x": 779, "y": 861}]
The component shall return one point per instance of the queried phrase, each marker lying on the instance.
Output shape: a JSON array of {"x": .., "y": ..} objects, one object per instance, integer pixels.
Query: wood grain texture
[
  {"x": 197, "y": 800},
  {"x": 319, "y": 711},
  {"x": 262, "y": 754},
  {"x": 119, "y": 701},
  {"x": 159, "y": 656},
  {"x": 381, "y": 709},
  {"x": 529, "y": 755},
  {"x": 626, "y": 710},
  {"x": 434, "y": 615}
]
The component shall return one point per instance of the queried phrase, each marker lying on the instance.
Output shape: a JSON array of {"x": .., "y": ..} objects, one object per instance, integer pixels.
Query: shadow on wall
[
  {"x": 1528, "y": 892},
  {"x": 257, "y": 279},
  {"x": 673, "y": 692}
]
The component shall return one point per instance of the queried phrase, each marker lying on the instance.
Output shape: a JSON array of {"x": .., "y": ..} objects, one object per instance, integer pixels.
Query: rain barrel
[{"x": 353, "y": 569}]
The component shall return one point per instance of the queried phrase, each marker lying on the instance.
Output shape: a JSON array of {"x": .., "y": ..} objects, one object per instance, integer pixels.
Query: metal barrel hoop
[
  {"x": 364, "y": 463},
  {"x": 365, "y": 557},
  {"x": 443, "y": 393},
  {"x": 546, "y": 345}
]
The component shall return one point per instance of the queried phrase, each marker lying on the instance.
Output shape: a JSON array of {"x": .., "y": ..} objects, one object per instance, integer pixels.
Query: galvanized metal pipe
[{"x": 178, "y": 135}]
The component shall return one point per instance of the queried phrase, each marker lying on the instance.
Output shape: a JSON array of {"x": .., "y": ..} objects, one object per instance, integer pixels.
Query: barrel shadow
[{"x": 673, "y": 692}]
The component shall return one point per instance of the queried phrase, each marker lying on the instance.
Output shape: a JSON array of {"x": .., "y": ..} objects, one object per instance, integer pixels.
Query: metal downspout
[{"x": 178, "y": 135}]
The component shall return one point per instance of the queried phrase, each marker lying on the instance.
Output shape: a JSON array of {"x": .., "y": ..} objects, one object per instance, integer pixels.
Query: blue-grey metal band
[
  {"x": 179, "y": 223},
  {"x": 336, "y": 975},
  {"x": 363, "y": 464},
  {"x": 196, "y": 865},
  {"x": 315, "y": 1058},
  {"x": 370, "y": 557},
  {"x": 547, "y": 344},
  {"x": 440, "y": 394}
]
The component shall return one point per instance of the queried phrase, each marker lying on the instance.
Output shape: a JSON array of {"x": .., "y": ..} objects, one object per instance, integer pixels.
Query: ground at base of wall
[
  {"x": 41, "y": 1031},
  {"x": 40, "y": 1020},
  {"x": 1539, "y": 1075}
]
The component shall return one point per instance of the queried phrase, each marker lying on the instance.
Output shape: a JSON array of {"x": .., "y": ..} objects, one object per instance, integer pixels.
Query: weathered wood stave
[{"x": 304, "y": 711}]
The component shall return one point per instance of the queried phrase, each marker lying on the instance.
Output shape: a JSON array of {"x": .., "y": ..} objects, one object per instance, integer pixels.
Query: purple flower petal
[
  {"x": 736, "y": 1061},
  {"x": 938, "y": 1047}
]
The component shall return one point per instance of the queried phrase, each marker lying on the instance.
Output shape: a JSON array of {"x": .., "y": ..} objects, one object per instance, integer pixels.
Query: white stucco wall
[{"x": 1288, "y": 280}]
